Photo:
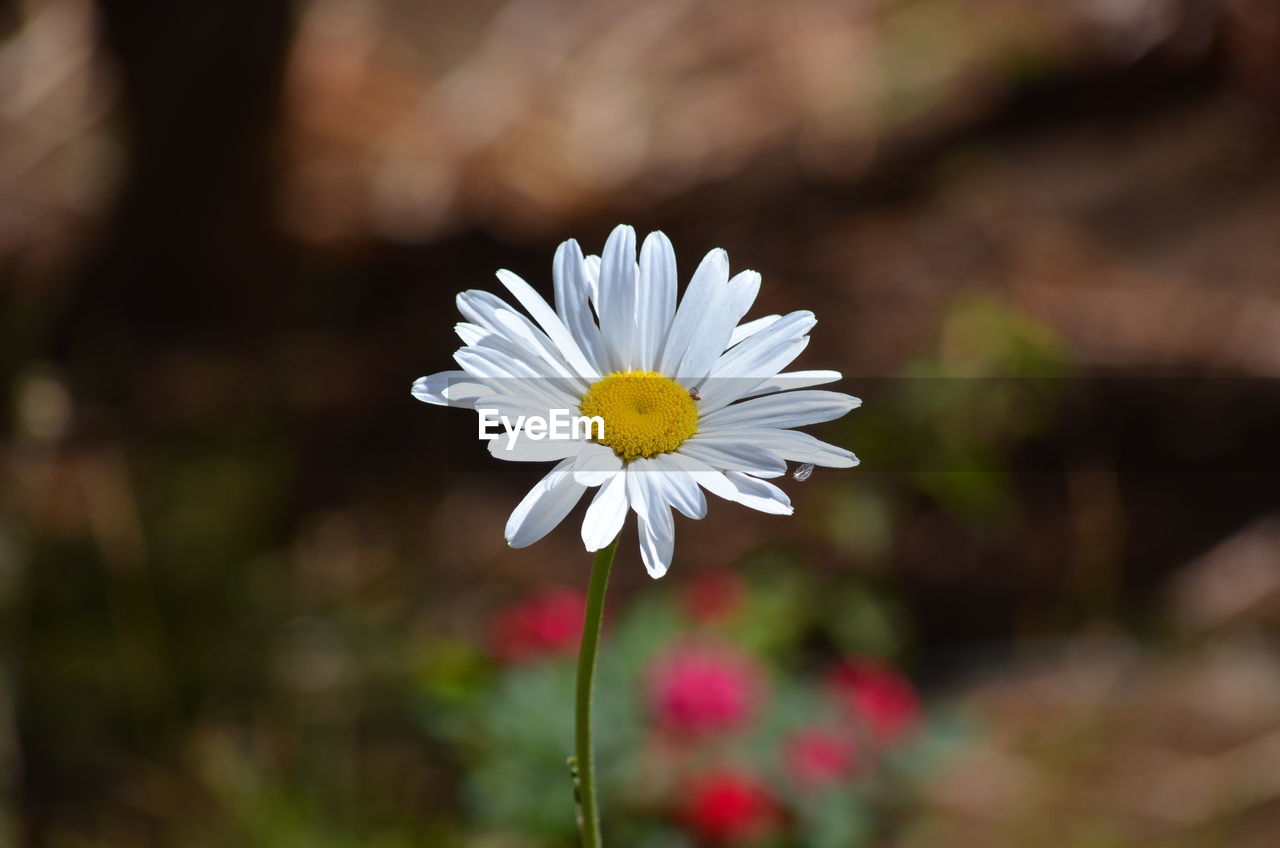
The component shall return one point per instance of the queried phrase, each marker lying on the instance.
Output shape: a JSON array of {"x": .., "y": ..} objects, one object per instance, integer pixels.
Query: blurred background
[{"x": 248, "y": 597}]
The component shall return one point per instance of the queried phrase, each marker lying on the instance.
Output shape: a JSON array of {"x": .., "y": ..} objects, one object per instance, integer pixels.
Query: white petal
[
  {"x": 481, "y": 307},
  {"x": 789, "y": 380},
  {"x": 734, "y": 455},
  {"x": 469, "y": 333},
  {"x": 544, "y": 507},
  {"x": 788, "y": 444},
  {"x": 704, "y": 475},
  {"x": 759, "y": 494},
  {"x": 618, "y": 296},
  {"x": 756, "y": 360},
  {"x": 573, "y": 303},
  {"x": 656, "y": 301},
  {"x": 596, "y": 464},
  {"x": 789, "y": 409},
  {"x": 750, "y": 328},
  {"x": 512, "y": 405},
  {"x": 512, "y": 378},
  {"x": 705, "y": 289},
  {"x": 490, "y": 364},
  {"x": 656, "y": 549},
  {"x": 642, "y": 487},
  {"x": 657, "y": 530},
  {"x": 603, "y": 521},
  {"x": 521, "y": 448},
  {"x": 753, "y": 356},
  {"x": 522, "y": 332},
  {"x": 522, "y": 370},
  {"x": 503, "y": 321},
  {"x": 678, "y": 488},
  {"x": 749, "y": 370},
  {"x": 716, "y": 328},
  {"x": 448, "y": 388},
  {"x": 591, "y": 267},
  {"x": 550, "y": 323}
]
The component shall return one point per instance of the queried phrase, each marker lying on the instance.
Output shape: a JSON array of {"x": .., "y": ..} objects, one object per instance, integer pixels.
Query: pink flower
[
  {"x": 546, "y": 624},
  {"x": 817, "y": 757},
  {"x": 729, "y": 808},
  {"x": 714, "y": 596},
  {"x": 878, "y": 695},
  {"x": 699, "y": 689}
]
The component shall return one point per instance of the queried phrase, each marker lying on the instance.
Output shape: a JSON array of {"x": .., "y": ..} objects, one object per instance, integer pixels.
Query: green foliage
[{"x": 956, "y": 416}]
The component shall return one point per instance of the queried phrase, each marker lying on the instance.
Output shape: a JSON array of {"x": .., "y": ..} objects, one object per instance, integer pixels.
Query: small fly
[
  {"x": 802, "y": 472},
  {"x": 693, "y": 393}
]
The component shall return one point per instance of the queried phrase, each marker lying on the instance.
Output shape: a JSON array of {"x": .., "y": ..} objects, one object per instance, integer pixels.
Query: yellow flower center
[{"x": 644, "y": 413}]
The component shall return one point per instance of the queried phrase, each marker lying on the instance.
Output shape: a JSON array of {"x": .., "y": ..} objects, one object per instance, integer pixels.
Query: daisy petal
[
  {"x": 789, "y": 380},
  {"x": 448, "y": 388},
  {"x": 699, "y": 472},
  {"x": 520, "y": 330},
  {"x": 792, "y": 445},
  {"x": 790, "y": 409},
  {"x": 716, "y": 328},
  {"x": 718, "y": 392},
  {"x": 550, "y": 323},
  {"x": 656, "y": 549},
  {"x": 679, "y": 489},
  {"x": 573, "y": 302},
  {"x": 489, "y": 364},
  {"x": 653, "y": 517},
  {"x": 504, "y": 322},
  {"x": 750, "y": 328},
  {"x": 608, "y": 510},
  {"x": 703, "y": 292},
  {"x": 656, "y": 300},
  {"x": 511, "y": 406},
  {"x": 591, "y": 268},
  {"x": 758, "y": 358},
  {"x": 760, "y": 494},
  {"x": 596, "y": 464},
  {"x": 523, "y": 371},
  {"x": 544, "y": 507},
  {"x": 512, "y": 378},
  {"x": 618, "y": 296},
  {"x": 748, "y": 358},
  {"x": 734, "y": 455},
  {"x": 470, "y": 333},
  {"x": 521, "y": 448}
]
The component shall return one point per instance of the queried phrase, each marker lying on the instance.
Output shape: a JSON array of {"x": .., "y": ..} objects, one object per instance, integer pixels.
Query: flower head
[
  {"x": 699, "y": 690},
  {"x": 547, "y": 624},
  {"x": 874, "y": 693},
  {"x": 818, "y": 756},
  {"x": 688, "y": 397},
  {"x": 729, "y": 808}
]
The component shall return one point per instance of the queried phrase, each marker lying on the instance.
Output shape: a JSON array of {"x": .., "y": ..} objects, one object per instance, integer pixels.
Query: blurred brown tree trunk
[{"x": 188, "y": 249}]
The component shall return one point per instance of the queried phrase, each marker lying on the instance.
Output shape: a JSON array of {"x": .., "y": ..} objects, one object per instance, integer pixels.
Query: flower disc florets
[{"x": 645, "y": 413}]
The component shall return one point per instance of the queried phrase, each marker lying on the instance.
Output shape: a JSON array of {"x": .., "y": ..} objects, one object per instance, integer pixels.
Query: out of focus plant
[
  {"x": 706, "y": 738},
  {"x": 956, "y": 415}
]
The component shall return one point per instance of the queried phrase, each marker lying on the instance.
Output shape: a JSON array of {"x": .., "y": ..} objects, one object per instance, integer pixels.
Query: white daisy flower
[{"x": 690, "y": 398}]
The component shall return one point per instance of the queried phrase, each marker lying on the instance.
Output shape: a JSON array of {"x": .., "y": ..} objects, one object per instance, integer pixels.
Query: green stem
[{"x": 588, "y": 812}]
